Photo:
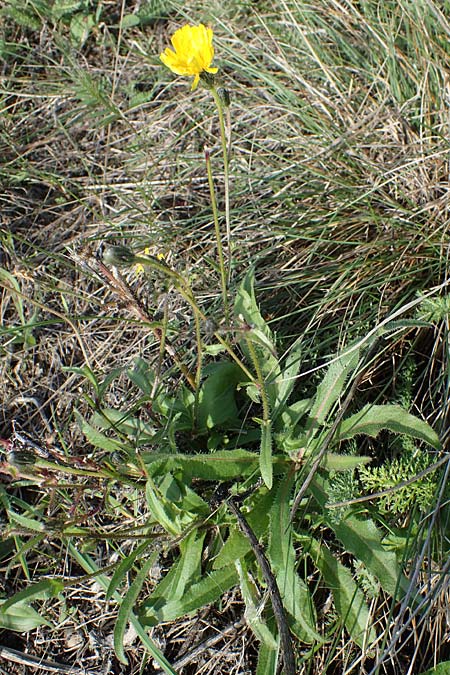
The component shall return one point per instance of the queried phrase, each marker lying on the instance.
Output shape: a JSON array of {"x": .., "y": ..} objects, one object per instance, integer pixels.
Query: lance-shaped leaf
[
  {"x": 329, "y": 390},
  {"x": 253, "y": 609},
  {"x": 281, "y": 554},
  {"x": 21, "y": 618},
  {"x": 260, "y": 335},
  {"x": 206, "y": 591},
  {"x": 127, "y": 606},
  {"x": 361, "y": 537},
  {"x": 222, "y": 465},
  {"x": 349, "y": 600},
  {"x": 373, "y": 418},
  {"x": 184, "y": 572}
]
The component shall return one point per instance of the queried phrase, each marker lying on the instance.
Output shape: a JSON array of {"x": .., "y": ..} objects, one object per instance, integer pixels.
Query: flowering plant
[{"x": 192, "y": 52}]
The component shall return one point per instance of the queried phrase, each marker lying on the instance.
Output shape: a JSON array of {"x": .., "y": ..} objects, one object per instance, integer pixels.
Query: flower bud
[
  {"x": 118, "y": 255},
  {"x": 224, "y": 96}
]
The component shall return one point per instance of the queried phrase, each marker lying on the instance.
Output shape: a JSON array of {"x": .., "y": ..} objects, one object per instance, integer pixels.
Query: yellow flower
[
  {"x": 139, "y": 268},
  {"x": 193, "y": 53}
]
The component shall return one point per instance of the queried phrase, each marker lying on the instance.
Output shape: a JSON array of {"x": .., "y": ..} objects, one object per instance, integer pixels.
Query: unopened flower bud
[
  {"x": 118, "y": 255},
  {"x": 224, "y": 96}
]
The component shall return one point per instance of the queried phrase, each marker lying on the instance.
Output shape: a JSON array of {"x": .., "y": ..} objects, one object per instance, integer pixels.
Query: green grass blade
[
  {"x": 90, "y": 567},
  {"x": 125, "y": 565},
  {"x": 126, "y": 607}
]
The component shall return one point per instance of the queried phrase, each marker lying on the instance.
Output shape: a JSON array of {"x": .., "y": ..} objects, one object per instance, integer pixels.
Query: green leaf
[
  {"x": 246, "y": 306},
  {"x": 373, "y": 418},
  {"x": 329, "y": 390},
  {"x": 441, "y": 669},
  {"x": 21, "y": 618},
  {"x": 216, "y": 403},
  {"x": 24, "y": 19},
  {"x": 349, "y": 600},
  {"x": 80, "y": 27},
  {"x": 138, "y": 431},
  {"x": 42, "y": 590},
  {"x": 205, "y": 592},
  {"x": 130, "y": 20},
  {"x": 296, "y": 597},
  {"x": 98, "y": 439},
  {"x": 90, "y": 567},
  {"x": 292, "y": 414},
  {"x": 260, "y": 335},
  {"x": 267, "y": 660},
  {"x": 61, "y": 8},
  {"x": 174, "y": 505},
  {"x": 25, "y": 522},
  {"x": 253, "y": 613},
  {"x": 362, "y": 538},
  {"x": 127, "y": 606},
  {"x": 290, "y": 369},
  {"x": 143, "y": 376},
  {"x": 222, "y": 465},
  {"x": 85, "y": 372},
  {"x": 183, "y": 573},
  {"x": 336, "y": 462},
  {"x": 235, "y": 548},
  {"x": 123, "y": 568},
  {"x": 237, "y": 545}
]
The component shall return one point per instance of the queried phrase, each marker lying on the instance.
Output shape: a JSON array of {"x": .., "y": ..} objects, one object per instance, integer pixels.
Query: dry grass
[{"x": 339, "y": 180}]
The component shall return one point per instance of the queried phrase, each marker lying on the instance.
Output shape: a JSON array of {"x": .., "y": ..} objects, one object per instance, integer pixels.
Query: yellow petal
[{"x": 193, "y": 53}]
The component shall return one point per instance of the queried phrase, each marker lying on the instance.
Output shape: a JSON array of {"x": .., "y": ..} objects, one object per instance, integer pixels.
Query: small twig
[
  {"x": 60, "y": 315},
  {"x": 203, "y": 646},
  {"x": 36, "y": 662},
  {"x": 121, "y": 288},
  {"x": 275, "y": 596}
]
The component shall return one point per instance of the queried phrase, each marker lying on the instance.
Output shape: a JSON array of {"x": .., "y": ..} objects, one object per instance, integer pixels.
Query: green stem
[
  {"x": 223, "y": 278},
  {"x": 260, "y": 380},
  {"x": 226, "y": 174},
  {"x": 185, "y": 291},
  {"x": 196, "y": 309},
  {"x": 265, "y": 454}
]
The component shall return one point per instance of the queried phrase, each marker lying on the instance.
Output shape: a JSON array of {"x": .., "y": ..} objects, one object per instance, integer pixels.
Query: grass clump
[{"x": 207, "y": 354}]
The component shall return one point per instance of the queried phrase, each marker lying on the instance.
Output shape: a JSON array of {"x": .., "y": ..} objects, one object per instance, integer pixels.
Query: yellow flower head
[
  {"x": 193, "y": 53},
  {"x": 139, "y": 268}
]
